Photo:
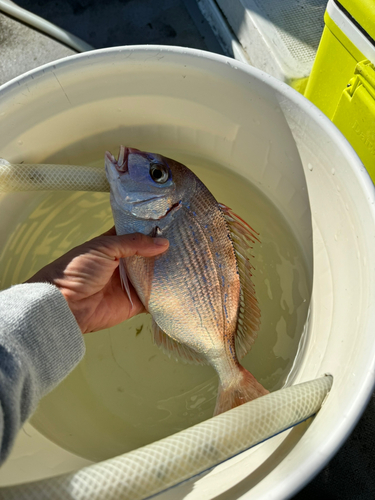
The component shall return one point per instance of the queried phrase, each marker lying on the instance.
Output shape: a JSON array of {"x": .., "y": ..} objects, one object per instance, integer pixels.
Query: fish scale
[
  {"x": 200, "y": 294},
  {"x": 212, "y": 222},
  {"x": 179, "y": 294}
]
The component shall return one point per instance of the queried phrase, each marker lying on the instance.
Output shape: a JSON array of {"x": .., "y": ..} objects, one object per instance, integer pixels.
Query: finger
[
  {"x": 128, "y": 245},
  {"x": 141, "y": 244}
]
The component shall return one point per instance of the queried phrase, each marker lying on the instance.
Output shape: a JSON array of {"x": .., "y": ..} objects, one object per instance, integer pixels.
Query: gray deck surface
[
  {"x": 350, "y": 474},
  {"x": 101, "y": 24}
]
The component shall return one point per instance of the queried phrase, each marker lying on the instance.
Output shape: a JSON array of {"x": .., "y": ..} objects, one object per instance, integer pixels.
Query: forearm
[{"x": 40, "y": 343}]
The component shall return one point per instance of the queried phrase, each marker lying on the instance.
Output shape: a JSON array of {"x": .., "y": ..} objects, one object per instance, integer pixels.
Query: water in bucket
[{"x": 126, "y": 392}]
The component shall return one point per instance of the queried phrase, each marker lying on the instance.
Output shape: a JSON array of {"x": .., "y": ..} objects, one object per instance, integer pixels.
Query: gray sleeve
[{"x": 40, "y": 343}]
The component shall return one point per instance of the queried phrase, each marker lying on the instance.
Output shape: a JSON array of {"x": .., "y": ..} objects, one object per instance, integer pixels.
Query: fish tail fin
[{"x": 243, "y": 389}]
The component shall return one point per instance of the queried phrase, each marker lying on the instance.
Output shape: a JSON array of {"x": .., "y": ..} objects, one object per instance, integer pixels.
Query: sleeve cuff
[{"x": 37, "y": 319}]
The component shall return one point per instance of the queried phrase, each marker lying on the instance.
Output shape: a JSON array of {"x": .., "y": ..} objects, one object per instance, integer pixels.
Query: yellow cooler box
[{"x": 342, "y": 81}]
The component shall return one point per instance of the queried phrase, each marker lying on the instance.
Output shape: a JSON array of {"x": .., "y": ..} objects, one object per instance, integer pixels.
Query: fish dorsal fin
[
  {"x": 124, "y": 280},
  {"x": 174, "y": 348},
  {"x": 244, "y": 237}
]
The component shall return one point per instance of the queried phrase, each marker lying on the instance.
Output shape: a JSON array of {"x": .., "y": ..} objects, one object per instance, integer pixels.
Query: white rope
[
  {"x": 153, "y": 468},
  {"x": 26, "y": 177},
  {"x": 44, "y": 26}
]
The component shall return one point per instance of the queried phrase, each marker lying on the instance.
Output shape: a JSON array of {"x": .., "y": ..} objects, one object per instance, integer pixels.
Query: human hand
[{"x": 89, "y": 278}]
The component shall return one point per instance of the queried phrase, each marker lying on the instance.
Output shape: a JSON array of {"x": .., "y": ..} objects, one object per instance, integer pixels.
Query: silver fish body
[{"x": 192, "y": 291}]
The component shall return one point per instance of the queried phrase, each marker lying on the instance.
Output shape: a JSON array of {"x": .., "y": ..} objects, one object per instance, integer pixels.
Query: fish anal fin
[
  {"x": 173, "y": 348},
  {"x": 243, "y": 388},
  {"x": 244, "y": 237}
]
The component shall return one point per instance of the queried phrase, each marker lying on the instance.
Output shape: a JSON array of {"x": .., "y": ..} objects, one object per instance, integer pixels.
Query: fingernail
[{"x": 161, "y": 242}]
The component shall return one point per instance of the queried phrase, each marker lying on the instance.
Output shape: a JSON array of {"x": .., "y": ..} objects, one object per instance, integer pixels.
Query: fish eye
[{"x": 159, "y": 173}]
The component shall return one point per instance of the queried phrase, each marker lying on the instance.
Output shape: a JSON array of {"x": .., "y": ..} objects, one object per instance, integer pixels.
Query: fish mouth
[
  {"x": 121, "y": 163},
  {"x": 140, "y": 202}
]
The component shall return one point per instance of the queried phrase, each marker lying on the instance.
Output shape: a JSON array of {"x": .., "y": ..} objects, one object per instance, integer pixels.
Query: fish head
[{"x": 147, "y": 185}]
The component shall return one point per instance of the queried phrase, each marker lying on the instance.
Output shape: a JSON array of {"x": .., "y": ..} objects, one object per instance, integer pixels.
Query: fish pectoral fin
[
  {"x": 174, "y": 348},
  {"x": 244, "y": 238},
  {"x": 124, "y": 280}
]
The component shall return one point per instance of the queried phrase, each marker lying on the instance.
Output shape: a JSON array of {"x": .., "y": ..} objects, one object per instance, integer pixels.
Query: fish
[{"x": 199, "y": 292}]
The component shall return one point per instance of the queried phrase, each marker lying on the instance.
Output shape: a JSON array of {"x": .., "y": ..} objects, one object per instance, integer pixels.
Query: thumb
[{"x": 127, "y": 245}]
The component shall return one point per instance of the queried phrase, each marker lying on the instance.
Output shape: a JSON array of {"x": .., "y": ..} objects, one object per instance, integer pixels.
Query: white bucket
[{"x": 238, "y": 116}]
